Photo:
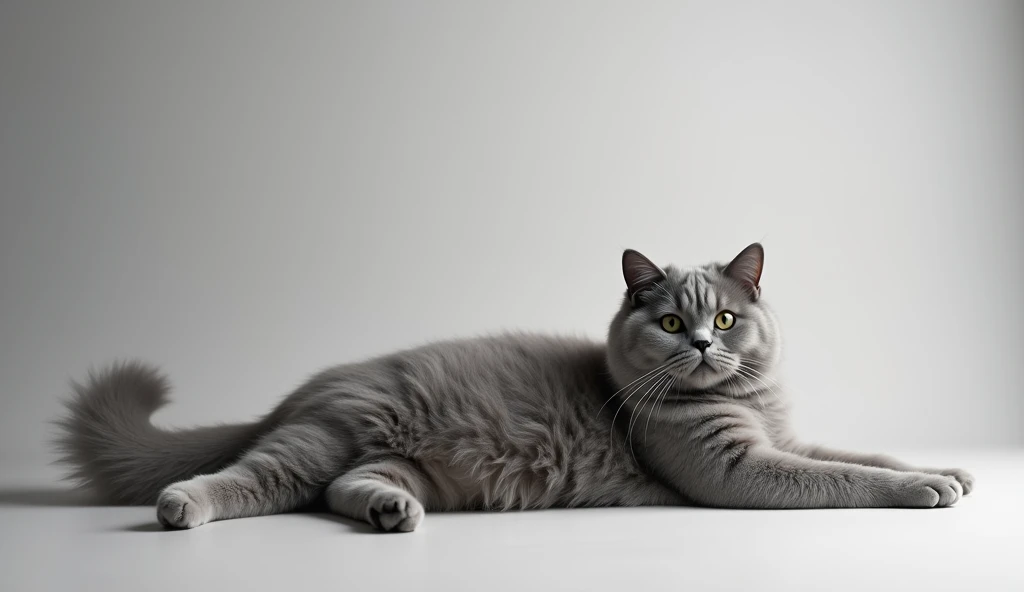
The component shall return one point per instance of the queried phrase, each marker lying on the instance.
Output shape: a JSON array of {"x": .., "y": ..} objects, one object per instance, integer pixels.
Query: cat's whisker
[
  {"x": 753, "y": 366},
  {"x": 665, "y": 396},
  {"x": 763, "y": 376},
  {"x": 730, "y": 361},
  {"x": 668, "y": 386},
  {"x": 753, "y": 388},
  {"x": 744, "y": 371},
  {"x": 640, "y": 406},
  {"x": 653, "y": 398},
  {"x": 616, "y": 393},
  {"x": 753, "y": 374},
  {"x": 611, "y": 434},
  {"x": 759, "y": 374}
]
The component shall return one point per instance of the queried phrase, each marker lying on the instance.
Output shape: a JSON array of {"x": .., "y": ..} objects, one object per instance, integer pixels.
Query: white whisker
[
  {"x": 615, "y": 394},
  {"x": 751, "y": 373},
  {"x": 664, "y": 393},
  {"x": 657, "y": 376},
  {"x": 753, "y": 389},
  {"x": 640, "y": 406}
]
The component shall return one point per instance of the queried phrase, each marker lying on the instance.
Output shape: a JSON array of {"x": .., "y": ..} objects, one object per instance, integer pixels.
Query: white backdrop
[{"x": 245, "y": 193}]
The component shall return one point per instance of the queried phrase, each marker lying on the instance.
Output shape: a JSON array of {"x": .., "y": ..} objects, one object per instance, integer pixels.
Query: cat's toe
[
  {"x": 395, "y": 512},
  {"x": 922, "y": 490},
  {"x": 965, "y": 479},
  {"x": 177, "y": 508},
  {"x": 949, "y": 493}
]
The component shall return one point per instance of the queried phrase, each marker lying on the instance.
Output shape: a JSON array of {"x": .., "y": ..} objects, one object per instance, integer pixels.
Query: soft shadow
[
  {"x": 48, "y": 497},
  {"x": 350, "y": 524},
  {"x": 356, "y": 526},
  {"x": 153, "y": 526}
]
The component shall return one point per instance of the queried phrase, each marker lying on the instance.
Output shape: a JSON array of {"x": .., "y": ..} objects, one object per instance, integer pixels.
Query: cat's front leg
[
  {"x": 818, "y": 452},
  {"x": 724, "y": 458},
  {"x": 768, "y": 478}
]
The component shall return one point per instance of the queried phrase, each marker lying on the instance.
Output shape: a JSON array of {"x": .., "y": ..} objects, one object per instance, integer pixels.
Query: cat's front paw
[
  {"x": 178, "y": 507},
  {"x": 394, "y": 511},
  {"x": 924, "y": 490},
  {"x": 965, "y": 479}
]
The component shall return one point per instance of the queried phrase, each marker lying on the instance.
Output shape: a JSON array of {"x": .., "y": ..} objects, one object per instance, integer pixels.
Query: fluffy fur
[{"x": 655, "y": 417}]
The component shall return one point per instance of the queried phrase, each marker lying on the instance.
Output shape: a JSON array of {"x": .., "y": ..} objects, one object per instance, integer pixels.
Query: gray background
[{"x": 247, "y": 192}]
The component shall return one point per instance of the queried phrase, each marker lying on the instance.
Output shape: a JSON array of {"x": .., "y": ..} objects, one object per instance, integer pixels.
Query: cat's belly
[{"x": 538, "y": 465}]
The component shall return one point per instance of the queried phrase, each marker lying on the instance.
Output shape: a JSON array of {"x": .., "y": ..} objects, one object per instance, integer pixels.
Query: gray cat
[{"x": 680, "y": 407}]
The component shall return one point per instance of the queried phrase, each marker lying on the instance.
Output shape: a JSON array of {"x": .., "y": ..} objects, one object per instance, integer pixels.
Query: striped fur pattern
[{"x": 515, "y": 421}]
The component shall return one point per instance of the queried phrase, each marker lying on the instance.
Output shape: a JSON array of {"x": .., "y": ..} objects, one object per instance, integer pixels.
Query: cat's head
[{"x": 696, "y": 329}]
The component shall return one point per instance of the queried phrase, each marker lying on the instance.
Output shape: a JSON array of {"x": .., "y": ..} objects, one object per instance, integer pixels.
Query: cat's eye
[
  {"x": 671, "y": 323},
  {"x": 725, "y": 320}
]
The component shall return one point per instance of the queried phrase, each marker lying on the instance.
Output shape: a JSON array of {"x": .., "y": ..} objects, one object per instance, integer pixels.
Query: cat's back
[
  {"x": 506, "y": 367},
  {"x": 510, "y": 367}
]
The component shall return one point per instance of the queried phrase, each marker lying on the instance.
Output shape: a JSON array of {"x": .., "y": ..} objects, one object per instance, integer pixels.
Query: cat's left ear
[
  {"x": 746, "y": 269},
  {"x": 640, "y": 274}
]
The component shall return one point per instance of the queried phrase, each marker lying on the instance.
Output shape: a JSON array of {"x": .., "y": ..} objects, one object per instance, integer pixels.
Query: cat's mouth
[{"x": 704, "y": 366}]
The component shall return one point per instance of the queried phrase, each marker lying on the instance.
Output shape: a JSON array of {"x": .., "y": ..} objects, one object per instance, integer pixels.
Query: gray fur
[{"x": 511, "y": 421}]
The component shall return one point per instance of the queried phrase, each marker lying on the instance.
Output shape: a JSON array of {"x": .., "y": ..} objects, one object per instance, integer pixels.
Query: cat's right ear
[{"x": 640, "y": 274}]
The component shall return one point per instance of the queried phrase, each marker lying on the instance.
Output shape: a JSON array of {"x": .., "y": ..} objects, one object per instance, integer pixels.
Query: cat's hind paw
[
  {"x": 177, "y": 508},
  {"x": 395, "y": 511}
]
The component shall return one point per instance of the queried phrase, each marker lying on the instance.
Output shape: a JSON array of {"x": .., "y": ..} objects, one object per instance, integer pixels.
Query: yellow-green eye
[
  {"x": 725, "y": 320},
  {"x": 671, "y": 323}
]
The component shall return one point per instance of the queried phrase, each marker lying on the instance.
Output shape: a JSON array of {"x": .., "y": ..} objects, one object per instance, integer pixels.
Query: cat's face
[{"x": 697, "y": 329}]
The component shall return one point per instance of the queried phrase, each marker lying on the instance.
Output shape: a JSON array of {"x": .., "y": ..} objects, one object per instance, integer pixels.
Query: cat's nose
[{"x": 701, "y": 344}]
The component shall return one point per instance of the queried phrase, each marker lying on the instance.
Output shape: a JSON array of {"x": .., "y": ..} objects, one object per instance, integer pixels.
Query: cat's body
[{"x": 673, "y": 410}]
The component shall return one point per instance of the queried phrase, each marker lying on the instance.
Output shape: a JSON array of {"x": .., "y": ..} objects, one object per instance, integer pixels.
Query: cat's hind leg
[
  {"x": 389, "y": 494},
  {"x": 285, "y": 470}
]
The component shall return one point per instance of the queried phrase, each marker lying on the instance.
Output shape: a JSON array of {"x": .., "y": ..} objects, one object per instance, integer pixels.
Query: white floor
[{"x": 49, "y": 542}]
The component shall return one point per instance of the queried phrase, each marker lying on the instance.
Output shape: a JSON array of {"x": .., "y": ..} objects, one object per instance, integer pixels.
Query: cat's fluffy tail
[{"x": 112, "y": 448}]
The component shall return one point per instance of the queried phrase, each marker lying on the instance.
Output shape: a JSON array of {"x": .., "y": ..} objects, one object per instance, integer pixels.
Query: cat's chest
[{"x": 765, "y": 418}]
